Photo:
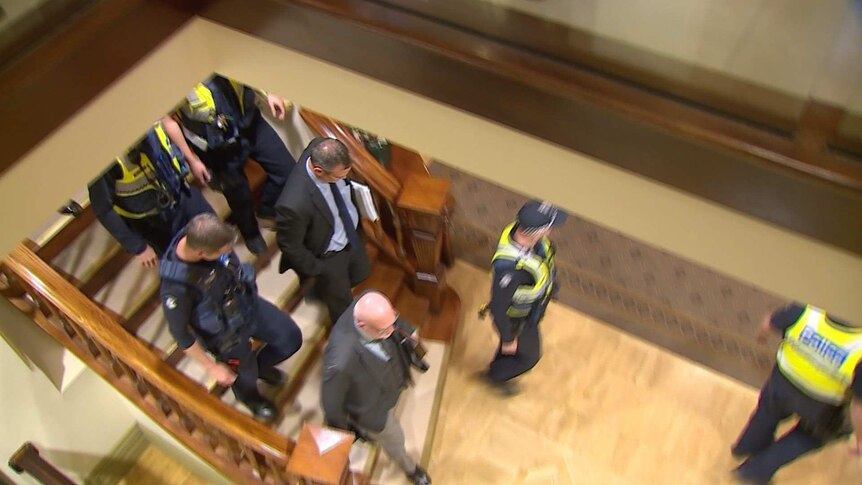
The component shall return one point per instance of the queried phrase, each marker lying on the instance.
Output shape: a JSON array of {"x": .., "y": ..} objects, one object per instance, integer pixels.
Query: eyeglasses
[
  {"x": 391, "y": 328},
  {"x": 334, "y": 174}
]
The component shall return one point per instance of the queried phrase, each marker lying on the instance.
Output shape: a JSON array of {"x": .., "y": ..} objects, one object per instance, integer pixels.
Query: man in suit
[
  {"x": 365, "y": 370},
  {"x": 316, "y": 225}
]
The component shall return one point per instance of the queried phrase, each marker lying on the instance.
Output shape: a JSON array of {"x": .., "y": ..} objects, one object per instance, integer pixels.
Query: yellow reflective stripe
[
  {"x": 808, "y": 355},
  {"x": 538, "y": 267},
  {"x": 200, "y": 104},
  {"x": 133, "y": 183}
]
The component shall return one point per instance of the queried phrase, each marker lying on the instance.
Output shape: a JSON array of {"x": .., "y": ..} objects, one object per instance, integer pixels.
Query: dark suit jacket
[
  {"x": 353, "y": 389},
  {"x": 304, "y": 222}
]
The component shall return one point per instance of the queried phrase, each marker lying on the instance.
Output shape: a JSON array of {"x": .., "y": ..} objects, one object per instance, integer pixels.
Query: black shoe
[
  {"x": 741, "y": 477},
  {"x": 256, "y": 245},
  {"x": 272, "y": 376},
  {"x": 419, "y": 476},
  {"x": 263, "y": 410},
  {"x": 505, "y": 389}
]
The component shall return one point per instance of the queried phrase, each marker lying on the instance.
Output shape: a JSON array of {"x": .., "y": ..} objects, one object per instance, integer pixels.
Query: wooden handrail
[
  {"x": 27, "y": 459},
  {"x": 377, "y": 177},
  {"x": 240, "y": 447},
  {"x": 381, "y": 182},
  {"x": 419, "y": 205}
]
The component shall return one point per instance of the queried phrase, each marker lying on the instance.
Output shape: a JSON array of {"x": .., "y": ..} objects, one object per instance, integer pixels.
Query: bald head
[{"x": 374, "y": 314}]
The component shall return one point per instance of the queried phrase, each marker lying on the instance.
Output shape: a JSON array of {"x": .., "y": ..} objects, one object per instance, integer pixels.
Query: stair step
[
  {"x": 385, "y": 279},
  {"x": 131, "y": 289},
  {"x": 86, "y": 253}
]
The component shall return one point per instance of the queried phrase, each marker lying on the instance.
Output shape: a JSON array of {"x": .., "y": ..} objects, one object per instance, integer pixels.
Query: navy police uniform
[
  {"x": 144, "y": 199},
  {"x": 224, "y": 127},
  {"x": 216, "y": 303},
  {"x": 815, "y": 376},
  {"x": 523, "y": 282}
]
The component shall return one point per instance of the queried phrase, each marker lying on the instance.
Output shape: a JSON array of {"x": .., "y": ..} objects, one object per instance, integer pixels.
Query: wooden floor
[
  {"x": 155, "y": 467},
  {"x": 601, "y": 407}
]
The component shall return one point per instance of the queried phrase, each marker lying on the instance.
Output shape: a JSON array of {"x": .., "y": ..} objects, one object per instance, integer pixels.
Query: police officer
[
  {"x": 144, "y": 199},
  {"x": 523, "y": 281},
  {"x": 211, "y": 304},
  {"x": 815, "y": 377},
  {"x": 224, "y": 127}
]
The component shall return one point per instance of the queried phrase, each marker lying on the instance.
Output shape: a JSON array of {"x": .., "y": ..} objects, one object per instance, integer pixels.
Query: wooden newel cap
[
  {"x": 424, "y": 194},
  {"x": 321, "y": 455}
]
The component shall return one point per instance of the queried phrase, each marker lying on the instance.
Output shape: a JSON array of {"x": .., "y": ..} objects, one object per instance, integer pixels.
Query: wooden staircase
[{"x": 79, "y": 286}]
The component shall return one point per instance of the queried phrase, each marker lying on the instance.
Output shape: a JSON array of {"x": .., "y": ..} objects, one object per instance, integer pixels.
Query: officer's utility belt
[
  {"x": 234, "y": 323},
  {"x": 220, "y": 134},
  {"x": 517, "y": 323}
]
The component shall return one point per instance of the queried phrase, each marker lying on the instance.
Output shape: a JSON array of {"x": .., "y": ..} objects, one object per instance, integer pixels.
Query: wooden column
[
  {"x": 328, "y": 467},
  {"x": 422, "y": 209}
]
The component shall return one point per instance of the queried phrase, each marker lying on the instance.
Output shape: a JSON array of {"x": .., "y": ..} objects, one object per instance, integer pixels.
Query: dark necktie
[{"x": 344, "y": 215}]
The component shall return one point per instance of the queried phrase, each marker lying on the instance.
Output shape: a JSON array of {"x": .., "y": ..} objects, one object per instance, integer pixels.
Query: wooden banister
[
  {"x": 417, "y": 206},
  {"x": 376, "y": 175},
  {"x": 243, "y": 449},
  {"x": 27, "y": 459}
]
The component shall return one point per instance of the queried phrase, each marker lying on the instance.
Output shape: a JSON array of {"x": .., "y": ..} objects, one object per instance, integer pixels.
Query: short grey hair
[
  {"x": 207, "y": 233},
  {"x": 330, "y": 154}
]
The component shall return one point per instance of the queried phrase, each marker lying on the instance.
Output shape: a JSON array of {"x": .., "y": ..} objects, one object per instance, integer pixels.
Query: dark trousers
[
  {"x": 263, "y": 145},
  {"x": 341, "y": 272},
  {"x": 282, "y": 337},
  {"x": 780, "y": 399},
  {"x": 159, "y": 231},
  {"x": 505, "y": 367}
]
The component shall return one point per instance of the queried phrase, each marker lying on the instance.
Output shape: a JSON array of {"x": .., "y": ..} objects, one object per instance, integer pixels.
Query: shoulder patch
[{"x": 170, "y": 302}]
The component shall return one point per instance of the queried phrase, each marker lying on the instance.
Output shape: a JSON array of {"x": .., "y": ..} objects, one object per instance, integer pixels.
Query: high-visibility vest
[
  {"x": 145, "y": 189},
  {"x": 540, "y": 265},
  {"x": 214, "y": 113},
  {"x": 820, "y": 356}
]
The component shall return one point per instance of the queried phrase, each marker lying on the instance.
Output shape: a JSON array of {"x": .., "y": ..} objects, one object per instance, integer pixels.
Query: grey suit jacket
[
  {"x": 353, "y": 389},
  {"x": 304, "y": 222}
]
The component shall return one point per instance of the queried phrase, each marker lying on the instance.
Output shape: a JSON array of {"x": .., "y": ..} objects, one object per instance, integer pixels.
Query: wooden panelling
[
  {"x": 45, "y": 88},
  {"x": 729, "y": 162}
]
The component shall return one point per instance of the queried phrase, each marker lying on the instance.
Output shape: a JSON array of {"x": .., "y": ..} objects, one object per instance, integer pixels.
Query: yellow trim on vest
[
  {"x": 819, "y": 356},
  {"x": 133, "y": 183},
  {"x": 540, "y": 268}
]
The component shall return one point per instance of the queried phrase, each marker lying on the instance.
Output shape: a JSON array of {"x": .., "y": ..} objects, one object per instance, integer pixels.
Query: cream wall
[
  {"x": 735, "y": 244},
  {"x": 741, "y": 246},
  {"x": 74, "y": 430}
]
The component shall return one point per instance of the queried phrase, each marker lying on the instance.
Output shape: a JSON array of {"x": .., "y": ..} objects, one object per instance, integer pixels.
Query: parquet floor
[
  {"x": 601, "y": 407},
  {"x": 155, "y": 467}
]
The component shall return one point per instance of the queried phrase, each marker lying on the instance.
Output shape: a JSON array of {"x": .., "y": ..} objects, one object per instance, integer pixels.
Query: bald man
[{"x": 365, "y": 371}]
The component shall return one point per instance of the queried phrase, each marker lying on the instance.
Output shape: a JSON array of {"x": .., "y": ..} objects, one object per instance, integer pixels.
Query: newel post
[
  {"x": 422, "y": 210},
  {"x": 321, "y": 456}
]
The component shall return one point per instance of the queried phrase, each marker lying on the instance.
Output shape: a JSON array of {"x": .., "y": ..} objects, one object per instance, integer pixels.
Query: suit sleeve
[
  {"x": 102, "y": 201},
  {"x": 333, "y": 393},
  {"x": 290, "y": 234}
]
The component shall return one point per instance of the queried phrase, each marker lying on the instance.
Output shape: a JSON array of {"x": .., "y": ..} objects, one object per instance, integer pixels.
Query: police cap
[{"x": 536, "y": 216}]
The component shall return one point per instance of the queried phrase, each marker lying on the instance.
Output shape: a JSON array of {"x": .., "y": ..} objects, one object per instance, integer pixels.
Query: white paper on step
[{"x": 326, "y": 439}]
